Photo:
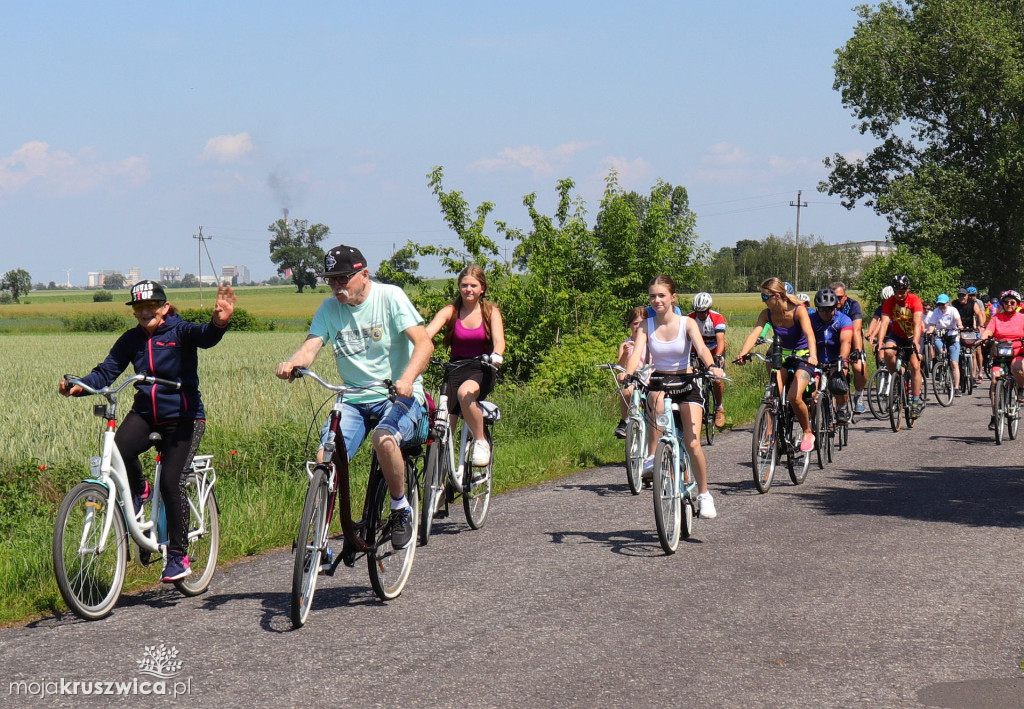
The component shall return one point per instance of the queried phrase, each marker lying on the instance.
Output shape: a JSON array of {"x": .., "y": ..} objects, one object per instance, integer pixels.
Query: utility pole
[
  {"x": 796, "y": 270},
  {"x": 202, "y": 245}
]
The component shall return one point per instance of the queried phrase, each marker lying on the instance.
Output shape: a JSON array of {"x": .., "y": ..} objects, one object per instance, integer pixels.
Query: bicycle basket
[
  {"x": 422, "y": 431},
  {"x": 491, "y": 411},
  {"x": 970, "y": 337},
  {"x": 1004, "y": 349}
]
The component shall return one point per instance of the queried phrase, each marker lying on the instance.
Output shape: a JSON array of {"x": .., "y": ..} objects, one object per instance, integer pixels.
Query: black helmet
[
  {"x": 900, "y": 282},
  {"x": 825, "y": 298},
  {"x": 837, "y": 384}
]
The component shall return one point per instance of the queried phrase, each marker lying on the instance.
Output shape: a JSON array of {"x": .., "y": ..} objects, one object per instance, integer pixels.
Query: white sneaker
[
  {"x": 481, "y": 454},
  {"x": 706, "y": 506},
  {"x": 647, "y": 470}
]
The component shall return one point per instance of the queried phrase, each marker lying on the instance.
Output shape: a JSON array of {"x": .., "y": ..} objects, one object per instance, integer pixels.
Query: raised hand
[{"x": 225, "y": 305}]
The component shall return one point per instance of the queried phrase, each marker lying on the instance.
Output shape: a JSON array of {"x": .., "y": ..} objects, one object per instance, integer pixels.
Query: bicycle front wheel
[
  {"x": 310, "y": 547},
  {"x": 878, "y": 394},
  {"x": 90, "y": 570},
  {"x": 895, "y": 405},
  {"x": 942, "y": 383},
  {"x": 634, "y": 454},
  {"x": 764, "y": 451},
  {"x": 389, "y": 567},
  {"x": 709, "y": 416},
  {"x": 667, "y": 510},
  {"x": 799, "y": 462},
  {"x": 433, "y": 487},
  {"x": 1000, "y": 410},
  {"x": 967, "y": 373},
  {"x": 476, "y": 499},
  {"x": 819, "y": 426},
  {"x": 202, "y": 527}
]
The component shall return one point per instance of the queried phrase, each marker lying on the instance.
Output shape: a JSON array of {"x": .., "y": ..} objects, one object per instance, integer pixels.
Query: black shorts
[
  {"x": 469, "y": 372},
  {"x": 683, "y": 388}
]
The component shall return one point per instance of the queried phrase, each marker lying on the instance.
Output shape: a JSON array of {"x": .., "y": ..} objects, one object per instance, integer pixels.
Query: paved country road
[{"x": 892, "y": 579}]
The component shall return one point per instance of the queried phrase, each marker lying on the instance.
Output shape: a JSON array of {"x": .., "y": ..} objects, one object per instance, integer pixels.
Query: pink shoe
[{"x": 807, "y": 443}]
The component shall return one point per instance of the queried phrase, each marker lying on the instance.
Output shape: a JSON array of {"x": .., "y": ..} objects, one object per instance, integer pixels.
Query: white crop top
[{"x": 671, "y": 356}]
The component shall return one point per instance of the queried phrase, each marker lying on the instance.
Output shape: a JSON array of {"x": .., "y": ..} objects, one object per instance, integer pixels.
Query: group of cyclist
[{"x": 375, "y": 333}]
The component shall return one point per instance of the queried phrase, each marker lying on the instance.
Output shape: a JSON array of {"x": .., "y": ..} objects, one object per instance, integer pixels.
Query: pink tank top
[{"x": 469, "y": 342}]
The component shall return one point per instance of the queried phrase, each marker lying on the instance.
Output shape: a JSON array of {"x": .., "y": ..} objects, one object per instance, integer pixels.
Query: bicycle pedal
[{"x": 441, "y": 514}]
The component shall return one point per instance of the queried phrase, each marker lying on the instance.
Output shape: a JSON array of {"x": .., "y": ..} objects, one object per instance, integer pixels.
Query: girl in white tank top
[{"x": 668, "y": 338}]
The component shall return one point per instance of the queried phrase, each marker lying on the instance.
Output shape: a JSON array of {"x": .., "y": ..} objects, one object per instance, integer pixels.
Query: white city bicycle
[{"x": 90, "y": 538}]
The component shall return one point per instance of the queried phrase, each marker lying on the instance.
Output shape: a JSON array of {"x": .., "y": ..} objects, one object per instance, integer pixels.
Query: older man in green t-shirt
[{"x": 375, "y": 333}]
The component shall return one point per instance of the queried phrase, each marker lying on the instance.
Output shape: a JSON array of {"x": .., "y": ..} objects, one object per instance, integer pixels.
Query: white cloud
[
  {"x": 726, "y": 154},
  {"x": 227, "y": 148},
  {"x": 636, "y": 175},
  {"x": 531, "y": 157},
  {"x": 60, "y": 173}
]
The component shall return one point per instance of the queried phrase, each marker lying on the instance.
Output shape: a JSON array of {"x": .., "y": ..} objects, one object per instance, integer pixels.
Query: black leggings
[{"x": 180, "y": 443}]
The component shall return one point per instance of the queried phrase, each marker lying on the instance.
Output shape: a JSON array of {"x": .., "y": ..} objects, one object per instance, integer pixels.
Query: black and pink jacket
[{"x": 170, "y": 353}]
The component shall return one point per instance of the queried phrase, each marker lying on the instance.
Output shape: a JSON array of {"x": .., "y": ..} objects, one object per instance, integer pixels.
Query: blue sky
[{"x": 126, "y": 126}]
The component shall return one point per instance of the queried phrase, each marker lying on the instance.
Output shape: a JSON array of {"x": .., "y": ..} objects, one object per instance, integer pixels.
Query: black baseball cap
[
  {"x": 342, "y": 261},
  {"x": 147, "y": 290}
]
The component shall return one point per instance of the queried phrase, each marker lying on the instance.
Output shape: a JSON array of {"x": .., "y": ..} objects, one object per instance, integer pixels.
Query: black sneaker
[
  {"x": 843, "y": 415},
  {"x": 401, "y": 527},
  {"x": 992, "y": 424},
  {"x": 620, "y": 430}
]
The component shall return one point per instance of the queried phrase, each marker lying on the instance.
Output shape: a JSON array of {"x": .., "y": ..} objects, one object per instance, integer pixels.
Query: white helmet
[
  {"x": 702, "y": 301},
  {"x": 887, "y": 293},
  {"x": 804, "y": 298}
]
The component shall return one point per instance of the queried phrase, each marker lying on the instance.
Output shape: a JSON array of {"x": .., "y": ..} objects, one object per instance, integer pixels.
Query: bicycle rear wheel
[
  {"x": 667, "y": 512},
  {"x": 634, "y": 454},
  {"x": 764, "y": 450},
  {"x": 434, "y": 474},
  {"x": 89, "y": 580},
  {"x": 202, "y": 528},
  {"x": 476, "y": 497},
  {"x": 1012, "y": 412},
  {"x": 310, "y": 546},
  {"x": 967, "y": 373},
  {"x": 895, "y": 402},
  {"x": 942, "y": 382},
  {"x": 389, "y": 567}
]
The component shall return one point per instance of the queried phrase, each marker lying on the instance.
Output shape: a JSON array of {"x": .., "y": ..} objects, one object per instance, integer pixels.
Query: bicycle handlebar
[
  {"x": 341, "y": 389},
  {"x": 109, "y": 391},
  {"x": 479, "y": 359}
]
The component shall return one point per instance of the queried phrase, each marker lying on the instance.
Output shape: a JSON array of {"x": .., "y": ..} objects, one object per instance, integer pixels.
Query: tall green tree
[
  {"x": 295, "y": 248},
  {"x": 928, "y": 277},
  {"x": 17, "y": 281},
  {"x": 940, "y": 84},
  {"x": 114, "y": 281},
  {"x": 400, "y": 268}
]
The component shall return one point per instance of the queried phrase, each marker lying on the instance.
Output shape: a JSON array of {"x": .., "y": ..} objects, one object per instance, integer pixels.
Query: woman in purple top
[{"x": 472, "y": 327}]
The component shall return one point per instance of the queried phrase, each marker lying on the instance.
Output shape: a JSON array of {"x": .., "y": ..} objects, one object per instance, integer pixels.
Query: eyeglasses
[{"x": 341, "y": 280}]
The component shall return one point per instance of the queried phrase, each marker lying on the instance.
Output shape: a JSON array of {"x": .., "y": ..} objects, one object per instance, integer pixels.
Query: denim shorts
[
  {"x": 954, "y": 348},
  {"x": 398, "y": 418}
]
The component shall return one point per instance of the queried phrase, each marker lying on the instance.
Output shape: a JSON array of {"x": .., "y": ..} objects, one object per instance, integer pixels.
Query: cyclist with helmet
[
  {"x": 712, "y": 329},
  {"x": 804, "y": 299},
  {"x": 946, "y": 317},
  {"x": 833, "y": 331},
  {"x": 789, "y": 288},
  {"x": 904, "y": 311},
  {"x": 1008, "y": 324},
  {"x": 792, "y": 325},
  {"x": 858, "y": 362},
  {"x": 973, "y": 317}
]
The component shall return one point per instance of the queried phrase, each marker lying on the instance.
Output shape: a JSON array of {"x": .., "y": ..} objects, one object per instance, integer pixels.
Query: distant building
[
  {"x": 97, "y": 279},
  {"x": 235, "y": 274},
  {"x": 208, "y": 280},
  {"x": 170, "y": 274},
  {"x": 133, "y": 275},
  {"x": 870, "y": 248}
]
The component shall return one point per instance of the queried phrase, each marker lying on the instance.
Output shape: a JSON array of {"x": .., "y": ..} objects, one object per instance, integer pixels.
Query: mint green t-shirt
[{"x": 368, "y": 340}]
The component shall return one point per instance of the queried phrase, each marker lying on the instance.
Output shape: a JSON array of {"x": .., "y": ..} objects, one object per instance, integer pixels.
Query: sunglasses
[
  {"x": 826, "y": 310},
  {"x": 766, "y": 297}
]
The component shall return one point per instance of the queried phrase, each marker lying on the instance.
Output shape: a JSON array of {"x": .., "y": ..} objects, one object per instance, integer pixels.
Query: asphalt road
[{"x": 891, "y": 579}]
